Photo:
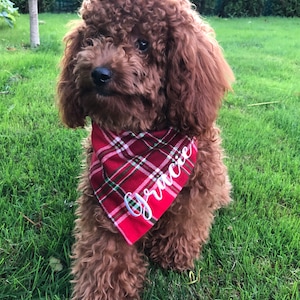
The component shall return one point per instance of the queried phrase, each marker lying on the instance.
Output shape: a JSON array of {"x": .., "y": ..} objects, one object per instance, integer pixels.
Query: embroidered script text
[{"x": 137, "y": 205}]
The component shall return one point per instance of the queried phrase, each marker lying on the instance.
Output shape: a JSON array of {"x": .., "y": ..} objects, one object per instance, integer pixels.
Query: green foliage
[
  {"x": 249, "y": 8},
  {"x": 206, "y": 7},
  {"x": 43, "y": 5},
  {"x": 243, "y": 8},
  {"x": 46, "y": 5},
  {"x": 285, "y": 8},
  {"x": 8, "y": 12},
  {"x": 67, "y": 5},
  {"x": 22, "y": 5},
  {"x": 238, "y": 8},
  {"x": 50, "y": 5}
]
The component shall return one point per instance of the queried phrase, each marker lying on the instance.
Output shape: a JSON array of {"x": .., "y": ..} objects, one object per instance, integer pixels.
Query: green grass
[{"x": 254, "y": 250}]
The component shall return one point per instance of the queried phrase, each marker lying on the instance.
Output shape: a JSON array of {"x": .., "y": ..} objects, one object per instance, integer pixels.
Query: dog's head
[{"x": 140, "y": 65}]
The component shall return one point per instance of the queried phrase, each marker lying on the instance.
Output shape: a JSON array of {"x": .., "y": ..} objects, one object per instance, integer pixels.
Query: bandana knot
[{"x": 136, "y": 177}]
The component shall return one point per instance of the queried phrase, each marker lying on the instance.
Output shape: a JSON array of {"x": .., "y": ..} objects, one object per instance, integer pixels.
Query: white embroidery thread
[{"x": 138, "y": 206}]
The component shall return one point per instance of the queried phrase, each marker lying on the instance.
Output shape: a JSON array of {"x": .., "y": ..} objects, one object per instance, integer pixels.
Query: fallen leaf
[{"x": 55, "y": 264}]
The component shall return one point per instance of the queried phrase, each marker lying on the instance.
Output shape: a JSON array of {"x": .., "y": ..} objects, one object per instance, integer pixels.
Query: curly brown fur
[{"x": 160, "y": 66}]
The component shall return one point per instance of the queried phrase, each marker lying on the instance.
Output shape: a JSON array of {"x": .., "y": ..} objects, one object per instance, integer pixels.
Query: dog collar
[{"x": 136, "y": 177}]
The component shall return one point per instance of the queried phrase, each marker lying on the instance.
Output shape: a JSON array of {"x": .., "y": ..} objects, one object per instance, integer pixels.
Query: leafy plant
[
  {"x": 287, "y": 8},
  {"x": 8, "y": 12},
  {"x": 50, "y": 5},
  {"x": 253, "y": 8}
]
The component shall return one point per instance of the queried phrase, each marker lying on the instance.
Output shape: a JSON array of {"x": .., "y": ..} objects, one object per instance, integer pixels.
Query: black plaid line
[
  {"x": 116, "y": 183},
  {"x": 157, "y": 173},
  {"x": 137, "y": 161},
  {"x": 119, "y": 145},
  {"x": 113, "y": 185}
]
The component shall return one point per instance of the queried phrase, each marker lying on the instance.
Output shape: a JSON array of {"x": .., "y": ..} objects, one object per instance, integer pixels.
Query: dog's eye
[
  {"x": 89, "y": 42},
  {"x": 142, "y": 45}
]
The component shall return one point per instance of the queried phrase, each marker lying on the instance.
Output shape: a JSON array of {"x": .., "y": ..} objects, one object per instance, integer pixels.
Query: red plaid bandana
[{"x": 136, "y": 177}]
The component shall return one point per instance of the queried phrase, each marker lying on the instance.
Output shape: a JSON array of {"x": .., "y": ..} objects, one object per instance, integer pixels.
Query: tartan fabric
[{"x": 136, "y": 177}]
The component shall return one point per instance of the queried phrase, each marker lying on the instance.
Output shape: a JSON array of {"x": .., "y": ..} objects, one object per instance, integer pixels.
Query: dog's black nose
[{"x": 101, "y": 75}]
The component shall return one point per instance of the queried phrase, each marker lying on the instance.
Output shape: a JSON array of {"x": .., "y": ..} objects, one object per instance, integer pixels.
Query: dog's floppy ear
[
  {"x": 71, "y": 111},
  {"x": 198, "y": 75}
]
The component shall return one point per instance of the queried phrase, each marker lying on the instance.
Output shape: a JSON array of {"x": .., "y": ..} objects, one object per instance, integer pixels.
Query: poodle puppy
[{"x": 150, "y": 77}]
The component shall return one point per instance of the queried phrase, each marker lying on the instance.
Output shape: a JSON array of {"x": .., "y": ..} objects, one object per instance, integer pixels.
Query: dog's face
[
  {"x": 121, "y": 66},
  {"x": 142, "y": 64}
]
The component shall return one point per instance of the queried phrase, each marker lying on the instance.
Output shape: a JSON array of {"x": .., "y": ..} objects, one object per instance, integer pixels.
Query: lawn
[{"x": 254, "y": 250}]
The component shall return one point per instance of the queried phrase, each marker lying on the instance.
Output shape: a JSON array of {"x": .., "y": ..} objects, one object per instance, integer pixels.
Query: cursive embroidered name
[{"x": 137, "y": 205}]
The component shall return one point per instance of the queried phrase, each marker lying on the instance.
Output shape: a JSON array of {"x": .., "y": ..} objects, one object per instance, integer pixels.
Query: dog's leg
[
  {"x": 105, "y": 267},
  {"x": 177, "y": 238}
]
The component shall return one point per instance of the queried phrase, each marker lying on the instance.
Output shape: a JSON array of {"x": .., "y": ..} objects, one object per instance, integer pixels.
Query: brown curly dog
[{"x": 151, "y": 77}]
